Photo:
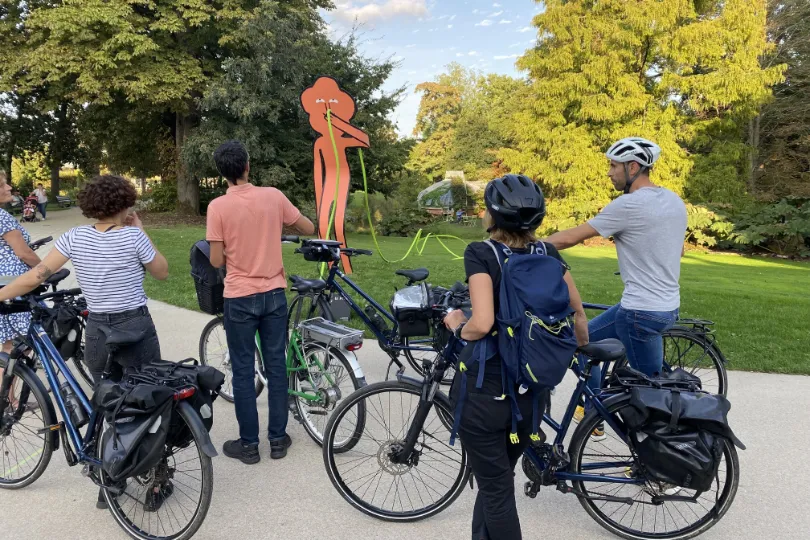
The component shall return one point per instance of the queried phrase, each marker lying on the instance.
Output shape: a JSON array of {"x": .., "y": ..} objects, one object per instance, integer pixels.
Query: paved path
[{"x": 293, "y": 498}]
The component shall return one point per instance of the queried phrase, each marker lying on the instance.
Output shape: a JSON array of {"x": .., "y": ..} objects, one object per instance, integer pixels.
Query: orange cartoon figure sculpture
[{"x": 332, "y": 171}]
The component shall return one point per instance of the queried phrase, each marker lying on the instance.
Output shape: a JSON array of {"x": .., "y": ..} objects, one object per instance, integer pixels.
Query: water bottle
[
  {"x": 78, "y": 416},
  {"x": 376, "y": 319}
]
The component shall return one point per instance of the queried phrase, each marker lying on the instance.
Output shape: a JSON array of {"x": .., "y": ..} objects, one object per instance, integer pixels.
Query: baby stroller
[{"x": 29, "y": 212}]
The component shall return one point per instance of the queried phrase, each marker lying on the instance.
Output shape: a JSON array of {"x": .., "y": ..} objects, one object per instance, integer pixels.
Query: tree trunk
[
  {"x": 56, "y": 150},
  {"x": 56, "y": 166},
  {"x": 143, "y": 185},
  {"x": 188, "y": 189}
]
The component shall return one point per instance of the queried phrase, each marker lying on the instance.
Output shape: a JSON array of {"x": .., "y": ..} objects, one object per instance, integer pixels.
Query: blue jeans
[
  {"x": 265, "y": 313},
  {"x": 41, "y": 207},
  {"x": 640, "y": 333}
]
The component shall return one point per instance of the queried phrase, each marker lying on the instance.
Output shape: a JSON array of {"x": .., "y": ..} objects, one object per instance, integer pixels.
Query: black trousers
[
  {"x": 484, "y": 431},
  {"x": 133, "y": 356}
]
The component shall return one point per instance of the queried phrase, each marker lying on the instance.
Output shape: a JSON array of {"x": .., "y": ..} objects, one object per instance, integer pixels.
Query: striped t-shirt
[{"x": 109, "y": 266}]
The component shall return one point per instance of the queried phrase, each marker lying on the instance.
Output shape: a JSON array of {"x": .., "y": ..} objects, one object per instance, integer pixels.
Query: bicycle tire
[
  {"x": 207, "y": 481},
  {"x": 715, "y": 384},
  {"x": 340, "y": 485},
  {"x": 301, "y": 404},
  {"x": 47, "y": 416},
  {"x": 226, "y": 392},
  {"x": 583, "y": 433}
]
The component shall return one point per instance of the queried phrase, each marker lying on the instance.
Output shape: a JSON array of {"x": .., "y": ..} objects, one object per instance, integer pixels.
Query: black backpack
[
  {"x": 208, "y": 281},
  {"x": 679, "y": 434}
]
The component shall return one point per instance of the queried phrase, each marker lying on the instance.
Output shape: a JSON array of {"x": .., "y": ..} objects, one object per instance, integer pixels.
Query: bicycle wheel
[
  {"x": 214, "y": 353},
  {"x": 78, "y": 361},
  {"x": 416, "y": 358},
  {"x": 182, "y": 482},
  {"x": 366, "y": 477},
  {"x": 311, "y": 306},
  {"x": 693, "y": 353},
  {"x": 314, "y": 415},
  {"x": 672, "y": 520},
  {"x": 25, "y": 450}
]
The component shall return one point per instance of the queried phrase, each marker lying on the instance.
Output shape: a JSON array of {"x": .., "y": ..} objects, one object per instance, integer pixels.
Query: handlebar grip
[
  {"x": 290, "y": 238},
  {"x": 364, "y": 252}
]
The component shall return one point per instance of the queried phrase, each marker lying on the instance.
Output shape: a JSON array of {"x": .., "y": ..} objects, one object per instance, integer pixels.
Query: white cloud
[
  {"x": 497, "y": 13},
  {"x": 411, "y": 46},
  {"x": 348, "y": 11},
  {"x": 505, "y": 56},
  {"x": 449, "y": 26},
  {"x": 416, "y": 31},
  {"x": 472, "y": 53},
  {"x": 398, "y": 58},
  {"x": 504, "y": 21},
  {"x": 452, "y": 18},
  {"x": 525, "y": 29},
  {"x": 513, "y": 45},
  {"x": 485, "y": 22},
  {"x": 458, "y": 54},
  {"x": 496, "y": 4},
  {"x": 475, "y": 12}
]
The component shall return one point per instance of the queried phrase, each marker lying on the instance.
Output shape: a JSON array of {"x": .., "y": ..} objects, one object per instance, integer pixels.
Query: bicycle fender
[
  {"x": 201, "y": 434},
  {"x": 420, "y": 383},
  {"x": 354, "y": 363}
]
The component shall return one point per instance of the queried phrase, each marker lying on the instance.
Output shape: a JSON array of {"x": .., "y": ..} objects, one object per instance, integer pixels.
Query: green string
[{"x": 415, "y": 244}]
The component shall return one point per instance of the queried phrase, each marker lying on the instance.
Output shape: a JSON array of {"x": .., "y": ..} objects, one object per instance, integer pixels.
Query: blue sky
[{"x": 424, "y": 36}]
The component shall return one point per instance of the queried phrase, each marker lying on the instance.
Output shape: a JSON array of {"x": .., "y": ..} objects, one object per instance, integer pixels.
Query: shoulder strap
[
  {"x": 498, "y": 253},
  {"x": 541, "y": 247}
]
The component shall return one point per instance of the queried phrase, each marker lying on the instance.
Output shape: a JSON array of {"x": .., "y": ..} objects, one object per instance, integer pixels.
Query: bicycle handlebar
[
  {"x": 39, "y": 243},
  {"x": 290, "y": 239}
]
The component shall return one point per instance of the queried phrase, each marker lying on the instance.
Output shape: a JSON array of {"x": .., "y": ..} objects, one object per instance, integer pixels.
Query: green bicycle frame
[{"x": 295, "y": 363}]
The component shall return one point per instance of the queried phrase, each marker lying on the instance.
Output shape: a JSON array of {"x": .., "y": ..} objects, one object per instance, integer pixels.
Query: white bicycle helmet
[
  {"x": 642, "y": 151},
  {"x": 631, "y": 149}
]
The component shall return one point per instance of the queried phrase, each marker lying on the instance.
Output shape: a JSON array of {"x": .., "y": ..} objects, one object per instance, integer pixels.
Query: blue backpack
[{"x": 534, "y": 334}]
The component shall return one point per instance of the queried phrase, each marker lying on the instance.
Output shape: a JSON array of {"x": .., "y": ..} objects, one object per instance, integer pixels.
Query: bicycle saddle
[
  {"x": 418, "y": 274},
  {"x": 603, "y": 351},
  {"x": 121, "y": 337},
  {"x": 56, "y": 277},
  {"x": 306, "y": 285}
]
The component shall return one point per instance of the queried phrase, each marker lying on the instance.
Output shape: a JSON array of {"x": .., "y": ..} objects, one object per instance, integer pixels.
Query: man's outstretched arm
[{"x": 571, "y": 237}]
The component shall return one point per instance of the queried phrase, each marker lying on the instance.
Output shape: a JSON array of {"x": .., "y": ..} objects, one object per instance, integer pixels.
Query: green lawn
[{"x": 761, "y": 306}]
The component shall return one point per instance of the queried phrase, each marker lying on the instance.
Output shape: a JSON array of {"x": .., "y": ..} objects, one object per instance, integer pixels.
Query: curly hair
[{"x": 107, "y": 195}]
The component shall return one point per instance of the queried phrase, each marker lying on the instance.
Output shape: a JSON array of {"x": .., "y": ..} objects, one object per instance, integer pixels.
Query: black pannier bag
[
  {"x": 209, "y": 282},
  {"x": 412, "y": 309},
  {"x": 138, "y": 420},
  {"x": 679, "y": 434},
  {"x": 142, "y": 419},
  {"x": 206, "y": 381},
  {"x": 65, "y": 331}
]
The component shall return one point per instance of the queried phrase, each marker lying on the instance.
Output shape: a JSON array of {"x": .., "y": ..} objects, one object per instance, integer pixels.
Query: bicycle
[
  {"x": 688, "y": 336},
  {"x": 316, "y": 294},
  {"x": 30, "y": 433},
  {"x": 321, "y": 366},
  {"x": 405, "y": 447}
]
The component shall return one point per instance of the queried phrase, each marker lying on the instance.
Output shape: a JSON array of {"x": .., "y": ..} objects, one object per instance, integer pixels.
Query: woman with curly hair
[{"x": 110, "y": 258}]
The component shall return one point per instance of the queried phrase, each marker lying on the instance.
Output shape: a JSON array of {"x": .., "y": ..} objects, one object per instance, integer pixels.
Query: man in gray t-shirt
[{"x": 648, "y": 224}]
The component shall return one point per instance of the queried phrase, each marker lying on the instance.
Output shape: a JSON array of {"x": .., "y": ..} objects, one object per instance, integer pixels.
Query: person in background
[
  {"x": 648, "y": 225},
  {"x": 111, "y": 258},
  {"x": 42, "y": 200},
  {"x": 244, "y": 229},
  {"x": 16, "y": 258},
  {"x": 459, "y": 215}
]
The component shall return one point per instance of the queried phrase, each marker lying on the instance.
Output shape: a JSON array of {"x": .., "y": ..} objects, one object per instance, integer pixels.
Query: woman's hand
[
  {"x": 132, "y": 220},
  {"x": 453, "y": 319}
]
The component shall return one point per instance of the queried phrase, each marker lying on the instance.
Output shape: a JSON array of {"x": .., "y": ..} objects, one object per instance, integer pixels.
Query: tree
[
  {"x": 681, "y": 72},
  {"x": 160, "y": 54},
  {"x": 783, "y": 167},
  {"x": 257, "y": 100},
  {"x": 439, "y": 111}
]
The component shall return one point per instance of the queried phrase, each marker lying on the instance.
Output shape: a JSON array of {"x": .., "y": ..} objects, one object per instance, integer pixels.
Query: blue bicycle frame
[
  {"x": 385, "y": 339},
  {"x": 50, "y": 357}
]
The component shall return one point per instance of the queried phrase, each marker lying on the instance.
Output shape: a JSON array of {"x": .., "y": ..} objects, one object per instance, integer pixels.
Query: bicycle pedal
[
  {"x": 48, "y": 429},
  {"x": 530, "y": 489}
]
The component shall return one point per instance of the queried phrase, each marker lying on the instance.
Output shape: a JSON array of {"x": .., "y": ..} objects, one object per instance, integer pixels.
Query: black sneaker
[
  {"x": 120, "y": 487},
  {"x": 155, "y": 499},
  {"x": 246, "y": 453},
  {"x": 278, "y": 449}
]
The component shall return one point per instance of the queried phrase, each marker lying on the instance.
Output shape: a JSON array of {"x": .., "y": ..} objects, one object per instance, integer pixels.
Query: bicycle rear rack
[{"x": 330, "y": 334}]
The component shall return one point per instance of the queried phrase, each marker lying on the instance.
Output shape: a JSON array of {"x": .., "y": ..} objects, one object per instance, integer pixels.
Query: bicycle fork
[{"x": 406, "y": 453}]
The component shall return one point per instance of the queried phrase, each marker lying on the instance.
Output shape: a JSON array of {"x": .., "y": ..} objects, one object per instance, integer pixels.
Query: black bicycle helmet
[{"x": 515, "y": 203}]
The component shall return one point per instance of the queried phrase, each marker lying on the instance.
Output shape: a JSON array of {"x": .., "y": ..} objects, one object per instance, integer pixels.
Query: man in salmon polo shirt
[{"x": 244, "y": 229}]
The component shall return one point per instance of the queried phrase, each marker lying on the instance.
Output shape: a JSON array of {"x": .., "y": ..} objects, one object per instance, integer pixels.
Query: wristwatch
[{"x": 457, "y": 331}]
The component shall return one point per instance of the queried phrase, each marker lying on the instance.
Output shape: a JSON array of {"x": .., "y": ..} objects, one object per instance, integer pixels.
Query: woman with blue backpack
[{"x": 501, "y": 382}]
